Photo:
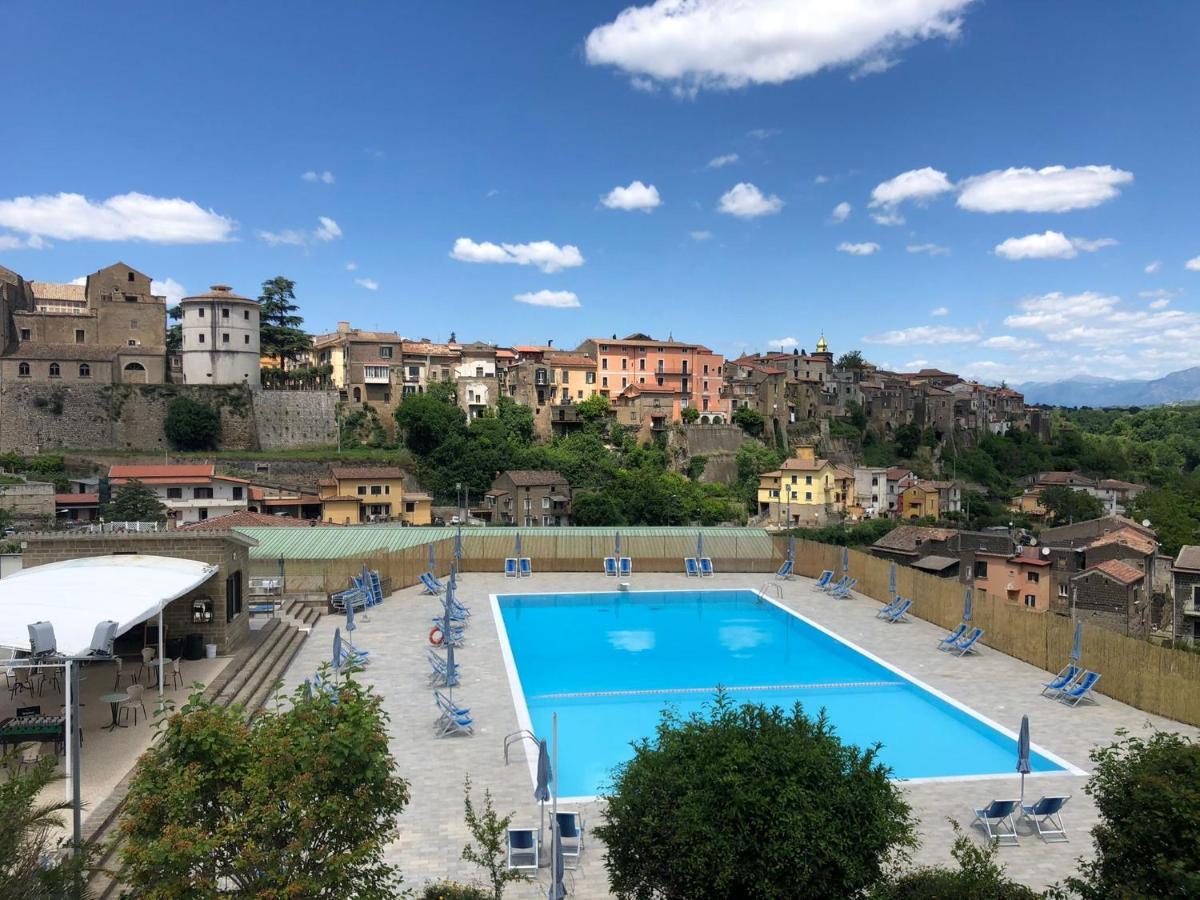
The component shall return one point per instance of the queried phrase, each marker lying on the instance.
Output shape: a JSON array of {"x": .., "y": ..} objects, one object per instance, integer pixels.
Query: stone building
[
  {"x": 529, "y": 497},
  {"x": 477, "y": 382},
  {"x": 220, "y": 338},
  {"x": 1112, "y": 594},
  {"x": 28, "y": 502},
  {"x": 552, "y": 383},
  {"x": 1186, "y": 576},
  {"x": 362, "y": 364},
  {"x": 109, "y": 330},
  {"x": 216, "y": 609}
]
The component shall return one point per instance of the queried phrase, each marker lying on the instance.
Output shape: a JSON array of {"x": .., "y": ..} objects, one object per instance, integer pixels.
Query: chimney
[
  {"x": 550, "y": 343},
  {"x": 343, "y": 327}
]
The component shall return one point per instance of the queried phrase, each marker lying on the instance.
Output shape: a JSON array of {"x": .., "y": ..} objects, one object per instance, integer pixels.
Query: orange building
[
  {"x": 657, "y": 380},
  {"x": 1022, "y": 578}
]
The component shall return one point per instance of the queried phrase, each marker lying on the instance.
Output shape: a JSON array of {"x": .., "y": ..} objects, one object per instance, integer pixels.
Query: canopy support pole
[
  {"x": 72, "y": 736},
  {"x": 161, "y": 660}
]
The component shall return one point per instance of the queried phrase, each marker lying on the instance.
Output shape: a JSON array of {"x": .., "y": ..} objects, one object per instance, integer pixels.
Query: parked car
[
  {"x": 439, "y": 522},
  {"x": 454, "y": 520}
]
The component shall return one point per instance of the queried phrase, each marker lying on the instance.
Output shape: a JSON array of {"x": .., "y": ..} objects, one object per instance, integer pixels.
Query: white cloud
[
  {"x": 369, "y": 283},
  {"x": 891, "y": 217},
  {"x": 645, "y": 85},
  {"x": 1193, "y": 264},
  {"x": 555, "y": 299},
  {"x": 1049, "y": 245},
  {"x": 931, "y": 249},
  {"x": 1061, "y": 311},
  {"x": 1008, "y": 342},
  {"x": 762, "y": 134},
  {"x": 351, "y": 266},
  {"x": 786, "y": 343},
  {"x": 700, "y": 235},
  {"x": 125, "y": 217},
  {"x": 636, "y": 196},
  {"x": 916, "y": 364},
  {"x": 326, "y": 230},
  {"x": 1161, "y": 303},
  {"x": 697, "y": 44},
  {"x": 82, "y": 279},
  {"x": 841, "y": 212},
  {"x": 926, "y": 334},
  {"x": 1052, "y": 189},
  {"x": 1159, "y": 294},
  {"x": 1153, "y": 267},
  {"x": 168, "y": 287},
  {"x": 940, "y": 311},
  {"x": 325, "y": 177},
  {"x": 746, "y": 201},
  {"x": 720, "y": 162},
  {"x": 16, "y": 242},
  {"x": 918, "y": 185},
  {"x": 863, "y": 249},
  {"x": 547, "y": 256},
  {"x": 821, "y": 179}
]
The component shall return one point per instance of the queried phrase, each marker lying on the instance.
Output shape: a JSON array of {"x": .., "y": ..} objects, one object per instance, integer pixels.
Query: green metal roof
[{"x": 338, "y": 543}]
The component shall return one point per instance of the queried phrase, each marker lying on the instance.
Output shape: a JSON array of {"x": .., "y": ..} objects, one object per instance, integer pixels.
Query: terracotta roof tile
[
  {"x": 159, "y": 472},
  {"x": 1188, "y": 558},
  {"x": 246, "y": 519},
  {"x": 1117, "y": 570},
  {"x": 351, "y": 472},
  {"x": 534, "y": 477}
]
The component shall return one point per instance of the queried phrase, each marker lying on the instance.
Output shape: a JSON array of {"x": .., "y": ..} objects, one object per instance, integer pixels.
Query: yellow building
[
  {"x": 353, "y": 495},
  {"x": 919, "y": 501},
  {"x": 804, "y": 491},
  {"x": 1030, "y": 503}
]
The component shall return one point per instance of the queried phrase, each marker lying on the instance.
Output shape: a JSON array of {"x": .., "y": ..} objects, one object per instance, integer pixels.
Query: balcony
[{"x": 376, "y": 375}]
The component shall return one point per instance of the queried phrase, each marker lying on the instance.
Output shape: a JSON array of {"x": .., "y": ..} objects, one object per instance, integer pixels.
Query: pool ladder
[{"x": 768, "y": 587}]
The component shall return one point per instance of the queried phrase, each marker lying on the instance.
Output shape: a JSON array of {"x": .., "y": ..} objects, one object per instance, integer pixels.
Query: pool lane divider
[{"x": 650, "y": 692}]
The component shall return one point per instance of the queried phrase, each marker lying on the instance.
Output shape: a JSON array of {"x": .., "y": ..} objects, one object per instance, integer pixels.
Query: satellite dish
[
  {"x": 1145, "y": 523},
  {"x": 1045, "y": 551}
]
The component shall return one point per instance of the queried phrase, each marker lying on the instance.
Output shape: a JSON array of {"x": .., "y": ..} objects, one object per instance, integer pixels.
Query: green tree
[
  {"x": 175, "y": 329},
  {"x": 1066, "y": 504},
  {"x": 591, "y": 508},
  {"x": 1147, "y": 791},
  {"x": 690, "y": 415},
  {"x": 300, "y": 802},
  {"x": 749, "y": 420},
  {"x": 489, "y": 832},
  {"x": 135, "y": 502},
  {"x": 280, "y": 334},
  {"x": 517, "y": 418},
  {"x": 851, "y": 360},
  {"x": 30, "y": 867},
  {"x": 978, "y": 877},
  {"x": 908, "y": 438},
  {"x": 762, "y": 803},
  {"x": 595, "y": 409},
  {"x": 191, "y": 425},
  {"x": 428, "y": 420}
]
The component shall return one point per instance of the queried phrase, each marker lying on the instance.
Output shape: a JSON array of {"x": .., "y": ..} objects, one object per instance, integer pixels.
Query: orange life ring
[{"x": 435, "y": 630}]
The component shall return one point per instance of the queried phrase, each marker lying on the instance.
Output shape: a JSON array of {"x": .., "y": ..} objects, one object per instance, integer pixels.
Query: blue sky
[{"x": 1049, "y": 151}]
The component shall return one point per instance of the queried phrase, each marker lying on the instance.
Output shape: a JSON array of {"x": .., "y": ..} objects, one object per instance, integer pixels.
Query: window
[
  {"x": 129, "y": 276},
  {"x": 133, "y": 323},
  {"x": 202, "y": 493},
  {"x": 224, "y": 338},
  {"x": 793, "y": 479},
  {"x": 200, "y": 312},
  {"x": 132, "y": 342},
  {"x": 604, "y": 381},
  {"x": 24, "y": 334},
  {"x": 1063, "y": 591},
  {"x": 201, "y": 338},
  {"x": 23, "y": 370},
  {"x": 237, "y": 492},
  {"x": 245, "y": 338},
  {"x": 1033, "y": 577},
  {"x": 604, "y": 363},
  {"x": 641, "y": 380},
  {"x": 479, "y": 371},
  {"x": 79, "y": 335},
  {"x": 642, "y": 364},
  {"x": 659, "y": 379},
  {"x": 224, "y": 312},
  {"x": 980, "y": 569},
  {"x": 385, "y": 352},
  {"x": 131, "y": 298},
  {"x": 589, "y": 378},
  {"x": 545, "y": 503},
  {"x": 1030, "y": 601},
  {"x": 624, "y": 382},
  {"x": 55, "y": 371},
  {"x": 85, "y": 371},
  {"x": 387, "y": 489},
  {"x": 566, "y": 376},
  {"x": 808, "y": 495},
  {"x": 624, "y": 363},
  {"x": 808, "y": 479},
  {"x": 246, "y": 314},
  {"x": 174, "y": 493},
  {"x": 410, "y": 506},
  {"x": 362, "y": 490},
  {"x": 376, "y": 490},
  {"x": 233, "y": 590}
]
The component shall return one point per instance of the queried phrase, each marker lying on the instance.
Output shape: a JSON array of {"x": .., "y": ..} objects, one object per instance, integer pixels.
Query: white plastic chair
[{"x": 136, "y": 692}]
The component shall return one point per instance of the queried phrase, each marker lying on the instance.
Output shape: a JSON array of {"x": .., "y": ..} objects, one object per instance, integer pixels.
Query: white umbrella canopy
[{"x": 77, "y": 594}]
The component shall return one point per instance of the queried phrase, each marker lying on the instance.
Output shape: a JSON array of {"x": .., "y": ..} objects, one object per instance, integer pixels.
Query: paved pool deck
[{"x": 432, "y": 833}]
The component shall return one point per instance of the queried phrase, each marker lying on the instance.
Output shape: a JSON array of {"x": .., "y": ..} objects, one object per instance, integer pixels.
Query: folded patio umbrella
[
  {"x": 700, "y": 545},
  {"x": 557, "y": 889},
  {"x": 432, "y": 559},
  {"x": 791, "y": 548},
  {"x": 845, "y": 559},
  {"x": 617, "y": 545},
  {"x": 968, "y": 602},
  {"x": 458, "y": 542},
  {"x": 1077, "y": 646},
  {"x": 451, "y": 674},
  {"x": 517, "y": 546},
  {"x": 541, "y": 791},
  {"x": 1023, "y": 764},
  {"x": 892, "y": 580},
  {"x": 337, "y": 648},
  {"x": 350, "y": 626}
]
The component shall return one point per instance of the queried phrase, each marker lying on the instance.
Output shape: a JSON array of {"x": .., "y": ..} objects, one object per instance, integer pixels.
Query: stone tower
[{"x": 220, "y": 338}]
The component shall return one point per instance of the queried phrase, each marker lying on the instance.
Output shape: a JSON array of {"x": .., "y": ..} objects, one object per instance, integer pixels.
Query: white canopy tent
[{"x": 75, "y": 595}]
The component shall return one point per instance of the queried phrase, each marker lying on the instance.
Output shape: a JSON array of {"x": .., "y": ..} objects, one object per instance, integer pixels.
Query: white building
[
  {"x": 191, "y": 493},
  {"x": 220, "y": 338},
  {"x": 871, "y": 490}
]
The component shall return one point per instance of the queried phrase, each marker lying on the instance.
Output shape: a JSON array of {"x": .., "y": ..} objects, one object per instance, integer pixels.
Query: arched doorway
[{"x": 134, "y": 373}]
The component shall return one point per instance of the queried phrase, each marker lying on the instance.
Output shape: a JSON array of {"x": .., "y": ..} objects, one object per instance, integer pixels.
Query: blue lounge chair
[
  {"x": 1062, "y": 680},
  {"x": 691, "y": 567},
  {"x": 440, "y": 673},
  {"x": 953, "y": 637},
  {"x": 523, "y": 850},
  {"x": 510, "y": 567},
  {"x": 570, "y": 830},
  {"x": 706, "y": 567},
  {"x": 1046, "y": 816},
  {"x": 997, "y": 820},
  {"x": 884, "y": 611},
  {"x": 967, "y": 644},
  {"x": 900, "y": 613},
  {"x": 431, "y": 586},
  {"x": 842, "y": 591},
  {"x": 451, "y": 719},
  {"x": 1072, "y": 694},
  {"x": 526, "y": 566},
  {"x": 626, "y": 566},
  {"x": 822, "y": 582},
  {"x": 832, "y": 586},
  {"x": 376, "y": 585},
  {"x": 610, "y": 566},
  {"x": 785, "y": 571}
]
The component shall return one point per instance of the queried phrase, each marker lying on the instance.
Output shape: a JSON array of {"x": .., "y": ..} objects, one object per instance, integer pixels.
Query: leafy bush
[
  {"x": 749, "y": 420},
  {"x": 191, "y": 425},
  {"x": 489, "y": 846},
  {"x": 452, "y": 890},
  {"x": 978, "y": 877},
  {"x": 1147, "y": 791},
  {"x": 863, "y": 533},
  {"x": 761, "y": 803},
  {"x": 135, "y": 502}
]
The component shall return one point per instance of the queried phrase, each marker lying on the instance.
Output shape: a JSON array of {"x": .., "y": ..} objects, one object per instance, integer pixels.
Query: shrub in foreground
[{"x": 978, "y": 877}]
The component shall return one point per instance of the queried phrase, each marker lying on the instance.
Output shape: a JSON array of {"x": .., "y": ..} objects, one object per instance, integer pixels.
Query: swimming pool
[{"x": 607, "y": 664}]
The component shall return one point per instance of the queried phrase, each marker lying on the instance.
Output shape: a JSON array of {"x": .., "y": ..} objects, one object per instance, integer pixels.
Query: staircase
[{"x": 249, "y": 680}]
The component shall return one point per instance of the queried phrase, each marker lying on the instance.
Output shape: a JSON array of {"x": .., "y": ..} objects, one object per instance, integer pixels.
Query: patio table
[{"x": 114, "y": 700}]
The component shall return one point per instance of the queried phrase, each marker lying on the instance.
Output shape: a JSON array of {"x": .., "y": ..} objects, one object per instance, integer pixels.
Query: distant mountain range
[{"x": 1088, "y": 390}]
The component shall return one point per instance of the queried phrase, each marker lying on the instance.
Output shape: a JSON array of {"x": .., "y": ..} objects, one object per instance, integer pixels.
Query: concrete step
[
  {"x": 239, "y": 679},
  {"x": 271, "y": 677},
  {"x": 253, "y": 683}
]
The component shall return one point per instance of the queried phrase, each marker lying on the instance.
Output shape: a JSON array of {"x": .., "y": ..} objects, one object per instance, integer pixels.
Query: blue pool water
[{"x": 666, "y": 645}]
